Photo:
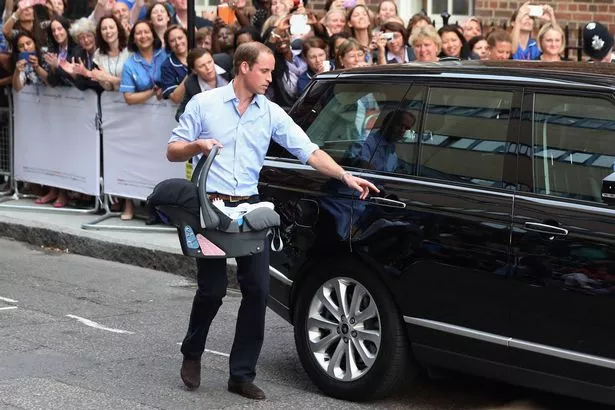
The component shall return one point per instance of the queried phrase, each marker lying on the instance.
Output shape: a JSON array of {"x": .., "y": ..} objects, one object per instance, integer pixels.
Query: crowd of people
[{"x": 140, "y": 47}]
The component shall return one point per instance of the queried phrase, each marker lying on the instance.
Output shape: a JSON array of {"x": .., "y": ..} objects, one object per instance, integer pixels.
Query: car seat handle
[{"x": 208, "y": 213}]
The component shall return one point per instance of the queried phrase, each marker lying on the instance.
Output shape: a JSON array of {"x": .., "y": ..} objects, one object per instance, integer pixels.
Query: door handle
[
  {"x": 388, "y": 202},
  {"x": 546, "y": 229}
]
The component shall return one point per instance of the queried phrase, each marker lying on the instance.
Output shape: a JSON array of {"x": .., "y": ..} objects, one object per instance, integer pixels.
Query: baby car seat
[{"x": 204, "y": 230}]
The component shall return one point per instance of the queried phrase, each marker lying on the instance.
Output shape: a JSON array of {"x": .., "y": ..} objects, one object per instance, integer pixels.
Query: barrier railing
[{"x": 6, "y": 145}]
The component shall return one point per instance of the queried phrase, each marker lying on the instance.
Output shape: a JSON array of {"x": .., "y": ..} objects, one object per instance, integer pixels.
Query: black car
[{"x": 490, "y": 248}]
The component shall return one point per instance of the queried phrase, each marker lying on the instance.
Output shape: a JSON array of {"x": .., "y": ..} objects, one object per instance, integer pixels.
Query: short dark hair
[
  {"x": 132, "y": 46},
  {"x": 167, "y": 34},
  {"x": 253, "y": 32},
  {"x": 249, "y": 53},
  {"x": 498, "y": 36},
  {"x": 194, "y": 55},
  {"x": 415, "y": 19},
  {"x": 472, "y": 42},
  {"x": 332, "y": 41},
  {"x": 312, "y": 42},
  {"x": 396, "y": 27},
  {"x": 121, "y": 35},
  {"x": 148, "y": 14}
]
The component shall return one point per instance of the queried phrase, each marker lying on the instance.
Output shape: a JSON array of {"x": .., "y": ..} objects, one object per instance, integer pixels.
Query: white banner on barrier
[
  {"x": 56, "y": 140},
  {"x": 135, "y": 144}
]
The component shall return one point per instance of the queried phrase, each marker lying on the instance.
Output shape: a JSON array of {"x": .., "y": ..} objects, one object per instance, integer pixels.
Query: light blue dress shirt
[
  {"x": 139, "y": 75},
  {"x": 214, "y": 114}
]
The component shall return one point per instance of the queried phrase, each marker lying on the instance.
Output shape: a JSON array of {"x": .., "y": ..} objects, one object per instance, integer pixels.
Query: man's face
[
  {"x": 121, "y": 11},
  {"x": 258, "y": 78}
]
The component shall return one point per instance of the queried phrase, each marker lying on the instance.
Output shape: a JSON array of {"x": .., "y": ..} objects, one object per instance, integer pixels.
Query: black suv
[{"x": 491, "y": 246}]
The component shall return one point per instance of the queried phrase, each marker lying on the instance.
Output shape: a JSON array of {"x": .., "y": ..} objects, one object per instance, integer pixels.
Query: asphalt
[{"x": 63, "y": 230}]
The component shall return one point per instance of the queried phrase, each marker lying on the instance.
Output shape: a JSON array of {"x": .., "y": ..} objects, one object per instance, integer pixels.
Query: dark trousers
[{"x": 253, "y": 278}]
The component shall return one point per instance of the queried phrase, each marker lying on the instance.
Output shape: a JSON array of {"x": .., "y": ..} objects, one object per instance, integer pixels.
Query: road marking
[
  {"x": 95, "y": 325},
  {"x": 8, "y": 308},
  {"x": 213, "y": 352},
  {"x": 8, "y": 300}
]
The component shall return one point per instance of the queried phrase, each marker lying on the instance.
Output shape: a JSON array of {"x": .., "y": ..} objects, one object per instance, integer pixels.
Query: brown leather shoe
[
  {"x": 191, "y": 373},
  {"x": 248, "y": 390}
]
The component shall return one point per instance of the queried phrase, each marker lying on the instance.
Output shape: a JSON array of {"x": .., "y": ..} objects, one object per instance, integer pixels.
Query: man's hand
[
  {"x": 360, "y": 184},
  {"x": 207, "y": 145}
]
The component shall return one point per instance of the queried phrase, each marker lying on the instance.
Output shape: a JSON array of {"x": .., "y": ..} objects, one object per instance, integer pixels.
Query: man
[
  {"x": 241, "y": 121},
  {"x": 598, "y": 42}
]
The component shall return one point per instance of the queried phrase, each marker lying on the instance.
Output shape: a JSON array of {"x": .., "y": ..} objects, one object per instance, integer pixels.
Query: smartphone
[
  {"x": 25, "y": 55},
  {"x": 298, "y": 25},
  {"x": 350, "y": 3},
  {"x": 226, "y": 14},
  {"x": 536, "y": 11},
  {"x": 326, "y": 65}
]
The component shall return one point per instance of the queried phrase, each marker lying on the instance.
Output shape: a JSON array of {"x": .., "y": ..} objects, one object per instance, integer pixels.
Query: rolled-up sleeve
[
  {"x": 291, "y": 136},
  {"x": 190, "y": 125}
]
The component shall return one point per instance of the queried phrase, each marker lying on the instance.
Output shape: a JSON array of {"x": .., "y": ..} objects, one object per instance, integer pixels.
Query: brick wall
[{"x": 320, "y": 4}]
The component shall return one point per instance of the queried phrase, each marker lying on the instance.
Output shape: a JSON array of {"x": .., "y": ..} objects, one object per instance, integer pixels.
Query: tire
[{"x": 376, "y": 330}]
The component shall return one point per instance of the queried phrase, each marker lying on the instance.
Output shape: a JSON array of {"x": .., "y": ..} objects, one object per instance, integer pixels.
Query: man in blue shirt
[{"x": 241, "y": 121}]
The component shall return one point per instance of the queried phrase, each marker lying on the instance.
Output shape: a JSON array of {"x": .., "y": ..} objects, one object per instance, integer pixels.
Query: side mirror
[{"x": 608, "y": 190}]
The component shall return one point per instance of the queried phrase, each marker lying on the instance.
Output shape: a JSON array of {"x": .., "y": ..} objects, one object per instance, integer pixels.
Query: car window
[
  {"x": 391, "y": 146},
  {"x": 345, "y": 114},
  {"x": 573, "y": 145},
  {"x": 464, "y": 137}
]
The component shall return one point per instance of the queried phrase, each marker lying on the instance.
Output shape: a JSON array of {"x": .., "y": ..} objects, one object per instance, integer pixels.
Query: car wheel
[{"x": 349, "y": 335}]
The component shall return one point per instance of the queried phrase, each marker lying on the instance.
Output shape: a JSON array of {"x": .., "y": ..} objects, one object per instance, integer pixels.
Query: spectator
[
  {"x": 175, "y": 68},
  {"x": 281, "y": 8},
  {"x": 500, "y": 45},
  {"x": 111, "y": 54},
  {"x": 27, "y": 69},
  {"x": 472, "y": 28},
  {"x": 453, "y": 43},
  {"x": 63, "y": 51},
  {"x": 181, "y": 15},
  {"x": 523, "y": 45},
  {"x": 83, "y": 31},
  {"x": 203, "y": 38},
  {"x": 315, "y": 54},
  {"x": 202, "y": 77},
  {"x": 598, "y": 42},
  {"x": 350, "y": 54},
  {"x": 141, "y": 72},
  {"x": 160, "y": 18},
  {"x": 23, "y": 19},
  {"x": 479, "y": 46},
  {"x": 334, "y": 22},
  {"x": 246, "y": 34},
  {"x": 418, "y": 20},
  {"x": 335, "y": 41},
  {"x": 55, "y": 8},
  {"x": 551, "y": 42},
  {"x": 386, "y": 10},
  {"x": 226, "y": 40},
  {"x": 262, "y": 13},
  {"x": 121, "y": 11},
  {"x": 360, "y": 25},
  {"x": 395, "y": 49},
  {"x": 426, "y": 43}
]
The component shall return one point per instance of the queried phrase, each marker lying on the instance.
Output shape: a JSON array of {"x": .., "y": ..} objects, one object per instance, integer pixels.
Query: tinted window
[
  {"x": 573, "y": 145},
  {"x": 345, "y": 114},
  {"x": 464, "y": 138}
]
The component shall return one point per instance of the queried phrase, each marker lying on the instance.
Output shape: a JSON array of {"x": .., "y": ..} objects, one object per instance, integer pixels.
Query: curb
[{"x": 101, "y": 249}]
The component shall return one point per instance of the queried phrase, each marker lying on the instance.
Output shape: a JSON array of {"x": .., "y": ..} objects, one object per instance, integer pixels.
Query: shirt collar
[
  {"x": 139, "y": 59},
  {"x": 228, "y": 94},
  {"x": 175, "y": 61}
]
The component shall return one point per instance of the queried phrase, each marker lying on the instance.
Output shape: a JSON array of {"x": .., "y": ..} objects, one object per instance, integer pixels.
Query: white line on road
[
  {"x": 8, "y": 308},
  {"x": 214, "y": 352},
  {"x": 95, "y": 325},
  {"x": 8, "y": 300}
]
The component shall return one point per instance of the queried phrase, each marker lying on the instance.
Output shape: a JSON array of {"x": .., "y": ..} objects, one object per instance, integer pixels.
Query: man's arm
[
  {"x": 324, "y": 164},
  {"x": 180, "y": 151}
]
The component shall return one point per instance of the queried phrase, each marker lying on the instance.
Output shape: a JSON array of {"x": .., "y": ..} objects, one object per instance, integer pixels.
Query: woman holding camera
[
  {"x": 523, "y": 45},
  {"x": 391, "y": 44}
]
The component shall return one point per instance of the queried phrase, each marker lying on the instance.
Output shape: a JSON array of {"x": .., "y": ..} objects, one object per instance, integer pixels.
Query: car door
[
  {"x": 439, "y": 231},
  {"x": 563, "y": 240},
  {"x": 316, "y": 210}
]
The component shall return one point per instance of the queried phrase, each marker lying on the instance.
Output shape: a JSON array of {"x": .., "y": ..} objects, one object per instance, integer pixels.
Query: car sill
[
  {"x": 280, "y": 276},
  {"x": 511, "y": 342}
]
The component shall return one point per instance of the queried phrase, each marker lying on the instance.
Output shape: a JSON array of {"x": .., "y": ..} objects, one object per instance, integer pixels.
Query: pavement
[{"x": 47, "y": 227}]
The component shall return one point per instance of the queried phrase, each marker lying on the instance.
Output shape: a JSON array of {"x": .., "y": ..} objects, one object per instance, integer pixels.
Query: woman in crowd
[
  {"x": 27, "y": 69},
  {"x": 524, "y": 46},
  {"x": 472, "y": 28},
  {"x": 479, "y": 46},
  {"x": 63, "y": 51},
  {"x": 121, "y": 11},
  {"x": 335, "y": 41},
  {"x": 202, "y": 77},
  {"x": 386, "y": 10},
  {"x": 360, "y": 25},
  {"x": 453, "y": 43},
  {"x": 551, "y": 42},
  {"x": 426, "y": 43},
  {"x": 334, "y": 22},
  {"x": 225, "y": 37},
  {"x": 111, "y": 54},
  {"x": 246, "y": 34},
  {"x": 350, "y": 54},
  {"x": 314, "y": 53},
  {"x": 281, "y": 8},
  {"x": 175, "y": 68},
  {"x": 203, "y": 38},
  {"x": 395, "y": 49},
  {"x": 159, "y": 16},
  {"x": 141, "y": 72},
  {"x": 23, "y": 19},
  {"x": 500, "y": 45}
]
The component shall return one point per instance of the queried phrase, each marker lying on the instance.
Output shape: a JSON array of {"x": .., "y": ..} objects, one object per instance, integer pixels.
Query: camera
[
  {"x": 388, "y": 36},
  {"x": 536, "y": 11}
]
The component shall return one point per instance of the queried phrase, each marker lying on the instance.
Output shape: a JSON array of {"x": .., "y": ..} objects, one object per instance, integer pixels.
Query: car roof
[{"x": 578, "y": 74}]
